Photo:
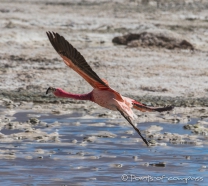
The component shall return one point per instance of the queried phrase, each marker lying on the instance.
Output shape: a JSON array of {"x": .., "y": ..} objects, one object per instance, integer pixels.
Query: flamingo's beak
[{"x": 50, "y": 89}]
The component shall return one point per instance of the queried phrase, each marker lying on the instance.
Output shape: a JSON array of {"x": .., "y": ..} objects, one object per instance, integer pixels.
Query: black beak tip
[{"x": 47, "y": 91}]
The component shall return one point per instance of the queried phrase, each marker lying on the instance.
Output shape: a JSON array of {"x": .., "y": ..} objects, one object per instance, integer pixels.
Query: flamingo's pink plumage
[{"x": 102, "y": 94}]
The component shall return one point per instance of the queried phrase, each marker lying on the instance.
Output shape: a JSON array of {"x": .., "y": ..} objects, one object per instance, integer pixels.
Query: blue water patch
[{"x": 108, "y": 160}]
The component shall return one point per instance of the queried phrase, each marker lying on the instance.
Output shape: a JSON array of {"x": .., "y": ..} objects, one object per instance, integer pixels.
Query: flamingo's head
[{"x": 50, "y": 90}]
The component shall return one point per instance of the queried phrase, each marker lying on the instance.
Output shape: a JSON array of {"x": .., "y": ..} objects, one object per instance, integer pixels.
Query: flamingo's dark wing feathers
[
  {"x": 145, "y": 108},
  {"x": 135, "y": 128},
  {"x": 75, "y": 60}
]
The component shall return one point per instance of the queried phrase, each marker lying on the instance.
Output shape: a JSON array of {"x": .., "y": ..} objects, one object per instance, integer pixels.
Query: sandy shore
[{"x": 29, "y": 64}]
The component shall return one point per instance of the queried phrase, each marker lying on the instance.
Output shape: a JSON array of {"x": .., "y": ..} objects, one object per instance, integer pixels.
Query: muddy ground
[
  {"x": 30, "y": 64},
  {"x": 82, "y": 143}
]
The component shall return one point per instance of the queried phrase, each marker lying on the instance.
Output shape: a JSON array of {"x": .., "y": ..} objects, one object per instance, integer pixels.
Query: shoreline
[{"x": 40, "y": 97}]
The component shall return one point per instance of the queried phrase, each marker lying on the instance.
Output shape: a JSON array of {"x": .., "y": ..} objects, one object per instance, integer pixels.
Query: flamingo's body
[
  {"x": 104, "y": 98},
  {"x": 102, "y": 94}
]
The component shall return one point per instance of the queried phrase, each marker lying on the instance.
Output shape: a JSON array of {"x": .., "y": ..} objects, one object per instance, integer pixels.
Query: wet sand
[
  {"x": 50, "y": 141},
  {"x": 30, "y": 64}
]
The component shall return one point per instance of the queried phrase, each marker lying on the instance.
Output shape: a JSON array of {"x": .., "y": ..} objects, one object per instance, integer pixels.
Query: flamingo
[{"x": 102, "y": 93}]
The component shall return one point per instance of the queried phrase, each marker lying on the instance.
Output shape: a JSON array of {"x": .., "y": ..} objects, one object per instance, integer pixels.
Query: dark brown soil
[{"x": 160, "y": 39}]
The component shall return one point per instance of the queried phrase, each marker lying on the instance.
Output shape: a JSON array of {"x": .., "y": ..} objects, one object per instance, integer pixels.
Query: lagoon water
[{"x": 98, "y": 151}]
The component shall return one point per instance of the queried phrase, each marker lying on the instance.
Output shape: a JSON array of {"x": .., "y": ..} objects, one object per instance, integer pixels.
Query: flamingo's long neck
[{"x": 64, "y": 94}]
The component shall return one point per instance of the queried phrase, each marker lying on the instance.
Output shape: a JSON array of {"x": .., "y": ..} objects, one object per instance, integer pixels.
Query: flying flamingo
[{"x": 102, "y": 93}]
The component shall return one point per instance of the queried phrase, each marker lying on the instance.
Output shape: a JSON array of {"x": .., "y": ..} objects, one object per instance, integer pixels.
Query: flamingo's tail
[{"x": 144, "y": 108}]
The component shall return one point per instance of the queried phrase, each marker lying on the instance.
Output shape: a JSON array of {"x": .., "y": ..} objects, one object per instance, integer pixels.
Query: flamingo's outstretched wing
[
  {"x": 131, "y": 123},
  {"x": 75, "y": 60},
  {"x": 145, "y": 108}
]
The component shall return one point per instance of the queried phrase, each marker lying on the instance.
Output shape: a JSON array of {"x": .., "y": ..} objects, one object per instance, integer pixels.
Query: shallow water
[{"x": 81, "y": 157}]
